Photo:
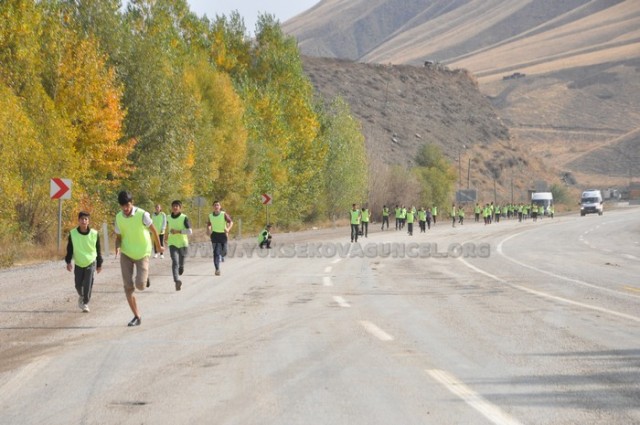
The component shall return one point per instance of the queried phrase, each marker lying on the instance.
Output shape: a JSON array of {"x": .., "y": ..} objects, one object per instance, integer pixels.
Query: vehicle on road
[
  {"x": 544, "y": 200},
  {"x": 591, "y": 202}
]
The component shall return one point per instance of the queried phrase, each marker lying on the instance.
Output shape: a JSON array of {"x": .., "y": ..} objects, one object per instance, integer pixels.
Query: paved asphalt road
[{"x": 510, "y": 323}]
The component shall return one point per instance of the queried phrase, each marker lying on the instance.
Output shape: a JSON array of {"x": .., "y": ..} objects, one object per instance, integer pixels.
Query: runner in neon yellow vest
[
  {"x": 385, "y": 217},
  {"x": 365, "y": 221},
  {"x": 160, "y": 221},
  {"x": 398, "y": 216},
  {"x": 409, "y": 217},
  {"x": 453, "y": 214},
  {"x": 134, "y": 233},
  {"x": 83, "y": 248},
  {"x": 422, "y": 219},
  {"x": 354, "y": 220},
  {"x": 219, "y": 224},
  {"x": 461, "y": 214},
  {"x": 178, "y": 230}
]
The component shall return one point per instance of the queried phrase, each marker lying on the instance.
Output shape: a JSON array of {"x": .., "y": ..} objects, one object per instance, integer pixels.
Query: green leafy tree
[
  {"x": 436, "y": 175},
  {"x": 288, "y": 154},
  {"x": 160, "y": 108},
  {"x": 345, "y": 168}
]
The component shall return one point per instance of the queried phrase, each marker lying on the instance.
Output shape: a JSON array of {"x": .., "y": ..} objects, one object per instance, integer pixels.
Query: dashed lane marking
[
  {"x": 376, "y": 331},
  {"x": 341, "y": 301},
  {"x": 473, "y": 399}
]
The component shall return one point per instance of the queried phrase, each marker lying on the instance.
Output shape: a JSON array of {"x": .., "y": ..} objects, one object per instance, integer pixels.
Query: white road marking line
[
  {"x": 630, "y": 257},
  {"x": 553, "y": 297},
  {"x": 335, "y": 261},
  {"x": 328, "y": 269},
  {"x": 473, "y": 399},
  {"x": 557, "y": 276},
  {"x": 376, "y": 331},
  {"x": 326, "y": 281},
  {"x": 341, "y": 301}
]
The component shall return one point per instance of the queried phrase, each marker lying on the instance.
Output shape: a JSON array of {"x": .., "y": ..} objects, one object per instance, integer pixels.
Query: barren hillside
[
  {"x": 402, "y": 107},
  {"x": 578, "y": 99}
]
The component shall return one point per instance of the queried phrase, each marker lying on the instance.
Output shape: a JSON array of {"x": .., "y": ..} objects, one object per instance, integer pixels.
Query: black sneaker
[
  {"x": 180, "y": 270},
  {"x": 135, "y": 322},
  {"x": 178, "y": 285},
  {"x": 148, "y": 282}
]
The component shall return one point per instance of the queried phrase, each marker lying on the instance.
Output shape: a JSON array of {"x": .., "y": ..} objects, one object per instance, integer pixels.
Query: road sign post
[
  {"x": 60, "y": 189},
  {"x": 266, "y": 201}
]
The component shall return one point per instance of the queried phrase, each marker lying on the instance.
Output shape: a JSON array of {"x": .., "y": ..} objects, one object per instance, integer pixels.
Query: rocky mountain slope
[{"x": 575, "y": 105}]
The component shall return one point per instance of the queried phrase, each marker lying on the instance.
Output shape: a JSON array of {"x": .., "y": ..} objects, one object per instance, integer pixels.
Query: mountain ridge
[{"x": 579, "y": 61}]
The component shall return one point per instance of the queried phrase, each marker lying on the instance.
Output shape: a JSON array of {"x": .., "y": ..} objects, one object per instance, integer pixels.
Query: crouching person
[{"x": 264, "y": 238}]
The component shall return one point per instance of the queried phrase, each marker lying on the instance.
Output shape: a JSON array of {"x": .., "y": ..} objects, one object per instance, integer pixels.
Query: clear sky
[{"x": 250, "y": 9}]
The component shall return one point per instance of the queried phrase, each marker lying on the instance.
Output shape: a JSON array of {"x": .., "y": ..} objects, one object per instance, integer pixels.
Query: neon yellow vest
[
  {"x": 135, "y": 236},
  {"x": 218, "y": 223},
  {"x": 84, "y": 247},
  {"x": 158, "y": 221},
  {"x": 365, "y": 216},
  {"x": 178, "y": 240},
  {"x": 409, "y": 217},
  {"x": 355, "y": 216}
]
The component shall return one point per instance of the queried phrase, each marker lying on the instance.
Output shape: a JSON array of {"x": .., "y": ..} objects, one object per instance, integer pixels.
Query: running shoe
[{"x": 135, "y": 322}]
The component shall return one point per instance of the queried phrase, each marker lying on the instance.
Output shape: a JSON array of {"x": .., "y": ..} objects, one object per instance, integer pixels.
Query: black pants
[
  {"x": 266, "y": 242},
  {"x": 219, "y": 243},
  {"x": 385, "y": 219},
  {"x": 354, "y": 232},
  {"x": 177, "y": 260},
  {"x": 365, "y": 228},
  {"x": 84, "y": 281}
]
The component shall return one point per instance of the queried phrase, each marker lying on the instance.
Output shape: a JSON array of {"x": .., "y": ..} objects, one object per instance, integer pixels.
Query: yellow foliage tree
[
  {"x": 89, "y": 96},
  {"x": 220, "y": 145}
]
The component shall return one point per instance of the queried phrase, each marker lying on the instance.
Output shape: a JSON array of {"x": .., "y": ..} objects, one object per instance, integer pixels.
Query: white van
[
  {"x": 591, "y": 202},
  {"x": 543, "y": 200}
]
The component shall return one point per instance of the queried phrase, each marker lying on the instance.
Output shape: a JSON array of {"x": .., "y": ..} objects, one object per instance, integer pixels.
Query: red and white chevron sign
[
  {"x": 60, "y": 188},
  {"x": 266, "y": 199}
]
